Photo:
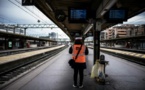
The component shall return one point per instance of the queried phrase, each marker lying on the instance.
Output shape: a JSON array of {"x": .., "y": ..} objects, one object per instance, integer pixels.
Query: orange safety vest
[{"x": 81, "y": 56}]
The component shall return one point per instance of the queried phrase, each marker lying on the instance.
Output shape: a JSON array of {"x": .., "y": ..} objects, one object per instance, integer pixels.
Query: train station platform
[
  {"x": 137, "y": 56},
  {"x": 12, "y": 58},
  {"x": 56, "y": 74}
]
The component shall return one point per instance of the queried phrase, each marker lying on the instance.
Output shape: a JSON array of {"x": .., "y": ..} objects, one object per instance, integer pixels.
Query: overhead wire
[
  {"x": 6, "y": 19},
  {"x": 22, "y": 9},
  {"x": 30, "y": 11}
]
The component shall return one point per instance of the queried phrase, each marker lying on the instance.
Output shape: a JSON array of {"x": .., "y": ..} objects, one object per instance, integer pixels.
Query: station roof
[
  {"x": 52, "y": 7},
  {"x": 135, "y": 38},
  {"x": 12, "y": 35}
]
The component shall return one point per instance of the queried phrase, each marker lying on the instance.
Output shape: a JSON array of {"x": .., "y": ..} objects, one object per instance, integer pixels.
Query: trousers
[{"x": 79, "y": 71}]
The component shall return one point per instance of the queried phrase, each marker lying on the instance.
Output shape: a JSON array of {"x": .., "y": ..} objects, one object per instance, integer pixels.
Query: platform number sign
[{"x": 27, "y": 2}]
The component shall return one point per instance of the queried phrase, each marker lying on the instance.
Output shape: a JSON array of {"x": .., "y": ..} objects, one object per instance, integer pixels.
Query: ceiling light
[{"x": 49, "y": 7}]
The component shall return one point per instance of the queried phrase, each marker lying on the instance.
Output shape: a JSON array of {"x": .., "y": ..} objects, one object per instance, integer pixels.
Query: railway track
[
  {"x": 131, "y": 56},
  {"x": 7, "y": 77},
  {"x": 16, "y": 51}
]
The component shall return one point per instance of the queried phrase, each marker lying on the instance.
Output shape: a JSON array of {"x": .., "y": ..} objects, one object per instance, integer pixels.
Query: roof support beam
[{"x": 104, "y": 7}]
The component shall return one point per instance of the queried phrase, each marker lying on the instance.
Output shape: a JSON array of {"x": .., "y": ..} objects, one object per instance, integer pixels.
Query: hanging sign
[{"x": 27, "y": 2}]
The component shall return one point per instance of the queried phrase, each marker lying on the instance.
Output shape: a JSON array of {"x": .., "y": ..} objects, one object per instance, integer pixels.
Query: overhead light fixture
[
  {"x": 103, "y": 12},
  {"x": 89, "y": 27},
  {"x": 108, "y": 6},
  {"x": 49, "y": 7}
]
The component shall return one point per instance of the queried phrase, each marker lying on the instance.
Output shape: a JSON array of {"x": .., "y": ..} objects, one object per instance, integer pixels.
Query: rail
[
  {"x": 127, "y": 49},
  {"x": 16, "y": 68},
  {"x": 16, "y": 51},
  {"x": 131, "y": 55}
]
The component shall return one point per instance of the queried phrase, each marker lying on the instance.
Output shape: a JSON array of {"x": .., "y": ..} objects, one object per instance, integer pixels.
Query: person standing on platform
[{"x": 80, "y": 61}]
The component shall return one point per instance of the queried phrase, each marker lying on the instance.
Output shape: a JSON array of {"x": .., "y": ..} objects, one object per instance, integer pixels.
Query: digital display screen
[
  {"x": 77, "y": 15},
  {"x": 117, "y": 14}
]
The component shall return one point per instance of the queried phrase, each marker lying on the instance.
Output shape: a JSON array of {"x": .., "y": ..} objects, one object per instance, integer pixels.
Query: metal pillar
[
  {"x": 96, "y": 31},
  {"x": 25, "y": 31},
  {"x": 14, "y": 31}
]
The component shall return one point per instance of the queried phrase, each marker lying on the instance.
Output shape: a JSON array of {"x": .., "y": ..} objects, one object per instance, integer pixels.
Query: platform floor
[
  {"x": 19, "y": 56},
  {"x": 57, "y": 75}
]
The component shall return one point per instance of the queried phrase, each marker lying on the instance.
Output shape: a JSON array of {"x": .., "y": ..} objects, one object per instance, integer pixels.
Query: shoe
[
  {"x": 81, "y": 86},
  {"x": 74, "y": 85}
]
